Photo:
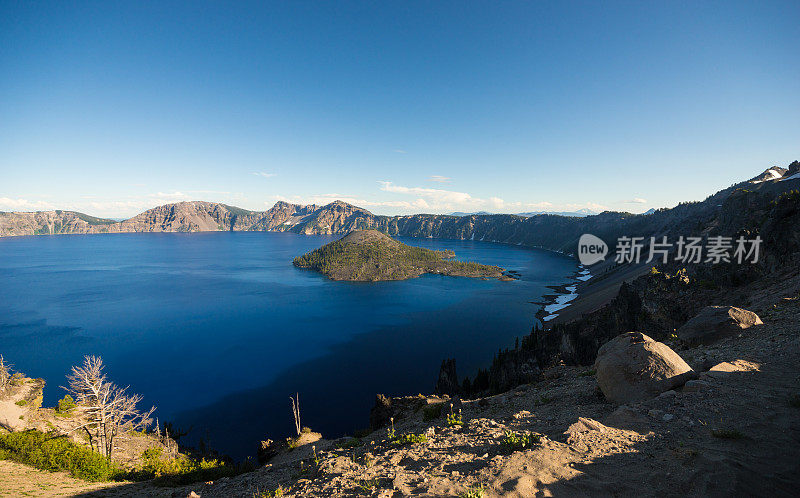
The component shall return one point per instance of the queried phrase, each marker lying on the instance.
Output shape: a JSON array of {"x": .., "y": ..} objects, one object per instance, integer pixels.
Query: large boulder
[
  {"x": 716, "y": 322},
  {"x": 634, "y": 367}
]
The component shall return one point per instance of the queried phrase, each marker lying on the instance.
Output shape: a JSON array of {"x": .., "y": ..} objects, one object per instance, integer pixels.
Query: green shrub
[
  {"x": 368, "y": 485},
  {"x": 516, "y": 441},
  {"x": 432, "y": 412},
  {"x": 21, "y": 402},
  {"x": 66, "y": 405},
  {"x": 49, "y": 452},
  {"x": 455, "y": 419},
  {"x": 184, "y": 469},
  {"x": 352, "y": 443},
  {"x": 406, "y": 439},
  {"x": 278, "y": 492},
  {"x": 17, "y": 379},
  {"x": 472, "y": 492}
]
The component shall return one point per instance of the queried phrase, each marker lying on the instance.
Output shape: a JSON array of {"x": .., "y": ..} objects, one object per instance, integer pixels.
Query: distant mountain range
[
  {"x": 549, "y": 230},
  {"x": 579, "y": 213}
]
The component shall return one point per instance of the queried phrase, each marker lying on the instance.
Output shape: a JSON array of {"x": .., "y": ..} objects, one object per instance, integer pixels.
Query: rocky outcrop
[
  {"x": 717, "y": 322},
  {"x": 512, "y": 368},
  {"x": 381, "y": 412},
  {"x": 634, "y": 367},
  {"x": 448, "y": 378},
  {"x": 399, "y": 408},
  {"x": 50, "y": 223}
]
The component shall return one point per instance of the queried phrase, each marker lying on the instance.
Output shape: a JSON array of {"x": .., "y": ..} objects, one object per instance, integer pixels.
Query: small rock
[
  {"x": 655, "y": 413},
  {"x": 668, "y": 394},
  {"x": 694, "y": 386},
  {"x": 667, "y": 417},
  {"x": 585, "y": 425}
]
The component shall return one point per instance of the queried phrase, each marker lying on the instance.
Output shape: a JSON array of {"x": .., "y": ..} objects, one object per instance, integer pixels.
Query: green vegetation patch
[
  {"x": 267, "y": 493},
  {"x": 370, "y": 255},
  {"x": 93, "y": 220},
  {"x": 517, "y": 441},
  {"x": 57, "y": 453},
  {"x": 237, "y": 211},
  {"x": 350, "y": 443},
  {"x": 184, "y": 469},
  {"x": 472, "y": 492},
  {"x": 432, "y": 412},
  {"x": 407, "y": 439},
  {"x": 454, "y": 419},
  {"x": 66, "y": 406}
]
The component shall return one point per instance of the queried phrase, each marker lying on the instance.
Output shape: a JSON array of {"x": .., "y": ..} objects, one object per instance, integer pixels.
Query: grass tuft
[
  {"x": 517, "y": 441},
  {"x": 407, "y": 439},
  {"x": 472, "y": 492}
]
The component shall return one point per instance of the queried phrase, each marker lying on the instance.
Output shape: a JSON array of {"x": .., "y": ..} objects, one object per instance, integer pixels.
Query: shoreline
[{"x": 553, "y": 304}]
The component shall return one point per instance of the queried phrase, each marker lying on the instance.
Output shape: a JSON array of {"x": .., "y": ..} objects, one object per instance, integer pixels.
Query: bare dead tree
[
  {"x": 296, "y": 411},
  {"x": 109, "y": 412},
  {"x": 5, "y": 374}
]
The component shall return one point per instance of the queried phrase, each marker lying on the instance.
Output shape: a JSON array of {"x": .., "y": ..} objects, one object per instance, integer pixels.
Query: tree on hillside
[
  {"x": 109, "y": 412},
  {"x": 5, "y": 375}
]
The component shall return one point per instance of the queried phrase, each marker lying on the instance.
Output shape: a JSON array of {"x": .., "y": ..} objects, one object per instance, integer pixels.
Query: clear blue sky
[{"x": 111, "y": 108}]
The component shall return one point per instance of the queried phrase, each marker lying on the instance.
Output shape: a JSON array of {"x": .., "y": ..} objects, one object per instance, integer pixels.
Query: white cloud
[
  {"x": 441, "y": 200},
  {"x": 169, "y": 195},
  {"x": 539, "y": 205},
  {"x": 222, "y": 192},
  {"x": 263, "y": 174},
  {"x": 437, "y": 196},
  {"x": 586, "y": 205},
  {"x": 19, "y": 204},
  {"x": 400, "y": 151},
  {"x": 440, "y": 179},
  {"x": 637, "y": 200}
]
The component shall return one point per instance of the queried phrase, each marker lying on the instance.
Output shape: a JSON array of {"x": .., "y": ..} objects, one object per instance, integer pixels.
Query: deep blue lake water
[{"x": 218, "y": 329}]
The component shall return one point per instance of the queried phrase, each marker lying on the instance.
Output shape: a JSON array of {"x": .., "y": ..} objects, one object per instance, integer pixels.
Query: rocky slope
[
  {"x": 667, "y": 295},
  {"x": 49, "y": 223},
  {"x": 550, "y": 231}
]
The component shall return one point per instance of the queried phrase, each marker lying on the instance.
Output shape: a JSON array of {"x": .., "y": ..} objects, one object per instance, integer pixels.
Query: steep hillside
[
  {"x": 50, "y": 223},
  {"x": 549, "y": 231}
]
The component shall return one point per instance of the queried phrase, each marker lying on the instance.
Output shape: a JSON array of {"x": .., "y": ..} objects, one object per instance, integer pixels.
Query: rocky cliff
[{"x": 559, "y": 233}]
